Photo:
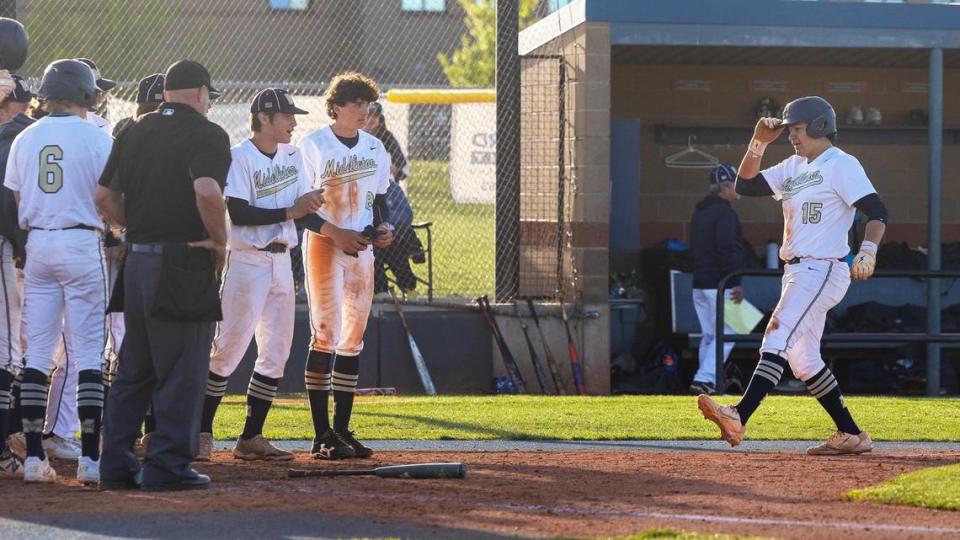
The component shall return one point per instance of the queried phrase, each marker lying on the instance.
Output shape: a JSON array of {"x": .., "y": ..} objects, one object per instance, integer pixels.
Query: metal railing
[{"x": 851, "y": 337}]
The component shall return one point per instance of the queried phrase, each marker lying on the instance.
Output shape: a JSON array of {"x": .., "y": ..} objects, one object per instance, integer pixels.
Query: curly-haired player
[
  {"x": 353, "y": 168},
  {"x": 821, "y": 187}
]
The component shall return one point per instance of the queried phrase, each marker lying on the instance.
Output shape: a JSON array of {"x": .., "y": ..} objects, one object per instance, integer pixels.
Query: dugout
[{"x": 647, "y": 78}]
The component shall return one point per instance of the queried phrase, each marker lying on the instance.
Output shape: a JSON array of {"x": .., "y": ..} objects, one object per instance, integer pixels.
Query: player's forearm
[
  {"x": 749, "y": 166},
  {"x": 242, "y": 213},
  {"x": 874, "y": 232},
  {"x": 212, "y": 209},
  {"x": 110, "y": 205}
]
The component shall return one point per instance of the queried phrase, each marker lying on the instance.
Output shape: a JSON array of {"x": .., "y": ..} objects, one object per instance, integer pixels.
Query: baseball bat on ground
[
  {"x": 575, "y": 366},
  {"x": 415, "y": 351},
  {"x": 509, "y": 362},
  {"x": 534, "y": 358},
  {"x": 551, "y": 361},
  {"x": 417, "y": 471}
]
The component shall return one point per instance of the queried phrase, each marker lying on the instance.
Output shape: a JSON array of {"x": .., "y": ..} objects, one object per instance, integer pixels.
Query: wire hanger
[{"x": 700, "y": 159}]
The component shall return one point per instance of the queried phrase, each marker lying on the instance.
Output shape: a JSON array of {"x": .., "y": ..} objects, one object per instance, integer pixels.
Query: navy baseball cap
[
  {"x": 274, "y": 100},
  {"x": 20, "y": 93},
  {"x": 150, "y": 89},
  {"x": 187, "y": 74},
  {"x": 104, "y": 85},
  {"x": 723, "y": 173}
]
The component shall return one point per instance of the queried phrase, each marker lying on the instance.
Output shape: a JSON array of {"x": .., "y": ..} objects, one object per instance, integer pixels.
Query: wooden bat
[
  {"x": 384, "y": 391},
  {"x": 575, "y": 366},
  {"x": 551, "y": 361},
  {"x": 509, "y": 362},
  {"x": 534, "y": 358},
  {"x": 415, "y": 351},
  {"x": 417, "y": 471}
]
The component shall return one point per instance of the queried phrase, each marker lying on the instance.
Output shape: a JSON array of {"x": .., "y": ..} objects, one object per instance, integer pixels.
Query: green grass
[
  {"x": 936, "y": 487},
  {"x": 463, "y": 234},
  {"x": 600, "y": 418},
  {"x": 670, "y": 534}
]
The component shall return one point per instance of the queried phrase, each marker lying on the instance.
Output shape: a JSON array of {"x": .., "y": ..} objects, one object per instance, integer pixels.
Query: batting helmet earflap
[
  {"x": 68, "y": 80},
  {"x": 816, "y": 112},
  {"x": 13, "y": 44}
]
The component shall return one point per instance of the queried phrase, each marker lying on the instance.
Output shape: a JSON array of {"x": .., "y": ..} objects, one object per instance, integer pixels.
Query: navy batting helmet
[
  {"x": 68, "y": 80},
  {"x": 816, "y": 112},
  {"x": 13, "y": 44}
]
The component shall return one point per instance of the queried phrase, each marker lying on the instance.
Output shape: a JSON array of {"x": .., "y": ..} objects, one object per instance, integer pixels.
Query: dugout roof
[{"x": 772, "y": 32}]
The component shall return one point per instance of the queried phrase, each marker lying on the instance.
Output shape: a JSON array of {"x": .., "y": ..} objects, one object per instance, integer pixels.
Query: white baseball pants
[
  {"x": 809, "y": 290},
  {"x": 10, "y": 352},
  {"x": 258, "y": 300},
  {"x": 340, "y": 293},
  {"x": 64, "y": 293},
  {"x": 705, "y": 302}
]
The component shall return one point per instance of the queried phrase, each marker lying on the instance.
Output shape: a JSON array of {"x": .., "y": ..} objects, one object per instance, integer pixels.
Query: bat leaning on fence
[
  {"x": 575, "y": 365},
  {"x": 415, "y": 350},
  {"x": 417, "y": 471},
  {"x": 509, "y": 362},
  {"x": 551, "y": 361},
  {"x": 534, "y": 358}
]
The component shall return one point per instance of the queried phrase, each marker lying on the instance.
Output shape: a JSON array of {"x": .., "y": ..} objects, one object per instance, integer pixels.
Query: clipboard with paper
[{"x": 742, "y": 317}]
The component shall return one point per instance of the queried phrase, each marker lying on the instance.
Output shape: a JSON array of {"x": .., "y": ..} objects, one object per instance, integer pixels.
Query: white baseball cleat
[
  {"x": 88, "y": 470},
  {"x": 59, "y": 448},
  {"x": 725, "y": 417},
  {"x": 36, "y": 470},
  {"x": 841, "y": 443}
]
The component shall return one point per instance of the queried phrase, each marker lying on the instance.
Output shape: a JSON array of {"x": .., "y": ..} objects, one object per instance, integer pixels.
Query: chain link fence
[{"x": 449, "y": 137}]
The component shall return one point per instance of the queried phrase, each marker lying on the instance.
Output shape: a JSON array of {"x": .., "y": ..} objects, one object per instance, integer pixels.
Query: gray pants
[{"x": 160, "y": 360}]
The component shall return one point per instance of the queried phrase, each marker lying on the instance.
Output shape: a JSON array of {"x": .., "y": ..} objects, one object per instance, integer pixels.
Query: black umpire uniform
[{"x": 170, "y": 292}]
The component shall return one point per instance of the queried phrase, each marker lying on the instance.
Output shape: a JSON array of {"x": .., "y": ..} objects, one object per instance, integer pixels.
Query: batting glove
[{"x": 865, "y": 262}]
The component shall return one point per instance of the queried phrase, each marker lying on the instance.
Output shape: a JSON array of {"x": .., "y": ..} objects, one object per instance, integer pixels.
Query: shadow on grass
[{"x": 449, "y": 424}]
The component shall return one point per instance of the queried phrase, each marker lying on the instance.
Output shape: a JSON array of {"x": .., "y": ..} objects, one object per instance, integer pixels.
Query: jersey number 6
[{"x": 51, "y": 174}]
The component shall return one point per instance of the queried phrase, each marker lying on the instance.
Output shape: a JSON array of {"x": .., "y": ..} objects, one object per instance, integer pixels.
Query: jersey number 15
[
  {"x": 811, "y": 212},
  {"x": 51, "y": 173}
]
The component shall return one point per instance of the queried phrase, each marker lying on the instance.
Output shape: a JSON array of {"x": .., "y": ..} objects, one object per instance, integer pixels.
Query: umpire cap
[
  {"x": 818, "y": 114},
  {"x": 70, "y": 80}
]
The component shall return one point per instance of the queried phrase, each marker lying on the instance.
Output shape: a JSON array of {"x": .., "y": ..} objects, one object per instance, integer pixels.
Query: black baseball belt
[
  {"x": 274, "y": 247},
  {"x": 70, "y": 228}
]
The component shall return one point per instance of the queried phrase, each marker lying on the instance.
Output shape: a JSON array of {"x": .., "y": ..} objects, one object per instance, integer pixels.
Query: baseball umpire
[
  {"x": 266, "y": 191},
  {"x": 821, "y": 187},
  {"x": 164, "y": 182}
]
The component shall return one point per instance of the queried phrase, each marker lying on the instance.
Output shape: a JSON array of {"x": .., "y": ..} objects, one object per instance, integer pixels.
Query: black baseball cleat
[
  {"x": 359, "y": 449},
  {"x": 331, "y": 446}
]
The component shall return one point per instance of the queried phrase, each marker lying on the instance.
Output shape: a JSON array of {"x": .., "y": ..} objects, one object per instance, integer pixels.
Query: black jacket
[
  {"x": 9, "y": 219},
  {"x": 715, "y": 243}
]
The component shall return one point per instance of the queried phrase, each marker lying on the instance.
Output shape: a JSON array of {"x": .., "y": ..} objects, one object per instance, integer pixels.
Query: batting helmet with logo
[
  {"x": 69, "y": 80},
  {"x": 816, "y": 112},
  {"x": 13, "y": 44}
]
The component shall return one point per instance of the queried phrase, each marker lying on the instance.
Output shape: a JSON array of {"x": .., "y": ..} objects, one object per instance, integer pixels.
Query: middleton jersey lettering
[
  {"x": 818, "y": 200},
  {"x": 55, "y": 165},
  {"x": 350, "y": 177},
  {"x": 265, "y": 182}
]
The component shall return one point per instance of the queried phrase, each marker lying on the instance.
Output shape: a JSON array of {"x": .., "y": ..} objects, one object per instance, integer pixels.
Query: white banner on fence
[{"x": 473, "y": 153}]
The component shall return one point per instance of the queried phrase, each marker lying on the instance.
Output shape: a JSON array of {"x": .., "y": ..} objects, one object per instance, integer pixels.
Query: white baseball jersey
[
  {"x": 818, "y": 200},
  {"x": 265, "y": 183},
  {"x": 55, "y": 164},
  {"x": 100, "y": 122},
  {"x": 351, "y": 177}
]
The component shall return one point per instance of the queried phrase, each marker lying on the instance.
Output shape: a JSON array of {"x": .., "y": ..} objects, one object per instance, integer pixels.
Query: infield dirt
[{"x": 585, "y": 494}]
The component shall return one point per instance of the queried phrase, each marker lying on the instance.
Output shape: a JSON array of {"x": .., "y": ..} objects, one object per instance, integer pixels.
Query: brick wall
[{"x": 667, "y": 196}]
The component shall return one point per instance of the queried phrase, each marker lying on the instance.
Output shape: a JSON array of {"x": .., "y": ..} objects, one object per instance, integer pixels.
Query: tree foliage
[{"x": 473, "y": 65}]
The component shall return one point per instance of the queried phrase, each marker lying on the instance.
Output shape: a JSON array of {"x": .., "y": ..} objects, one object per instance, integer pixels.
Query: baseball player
[
  {"x": 53, "y": 168},
  {"x": 266, "y": 191},
  {"x": 103, "y": 86},
  {"x": 14, "y": 103},
  {"x": 353, "y": 168},
  {"x": 820, "y": 187}
]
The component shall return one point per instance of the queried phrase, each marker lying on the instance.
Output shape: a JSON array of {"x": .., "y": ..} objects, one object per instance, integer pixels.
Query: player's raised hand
[
  {"x": 767, "y": 130},
  {"x": 736, "y": 294},
  {"x": 385, "y": 238}
]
